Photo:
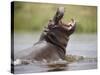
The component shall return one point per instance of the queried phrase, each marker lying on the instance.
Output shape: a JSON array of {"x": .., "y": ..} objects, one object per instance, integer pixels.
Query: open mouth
[
  {"x": 70, "y": 25},
  {"x": 66, "y": 26}
]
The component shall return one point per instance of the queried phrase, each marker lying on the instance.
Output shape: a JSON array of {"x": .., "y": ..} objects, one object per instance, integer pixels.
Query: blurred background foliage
[{"x": 32, "y": 17}]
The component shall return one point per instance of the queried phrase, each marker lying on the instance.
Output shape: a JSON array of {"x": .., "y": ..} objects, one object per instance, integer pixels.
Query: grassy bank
[{"x": 34, "y": 16}]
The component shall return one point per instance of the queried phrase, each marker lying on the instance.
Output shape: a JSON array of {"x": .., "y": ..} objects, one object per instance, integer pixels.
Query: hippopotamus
[{"x": 52, "y": 43}]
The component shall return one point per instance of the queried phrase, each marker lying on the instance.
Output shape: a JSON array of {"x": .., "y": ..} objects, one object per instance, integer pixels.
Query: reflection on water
[{"x": 84, "y": 45}]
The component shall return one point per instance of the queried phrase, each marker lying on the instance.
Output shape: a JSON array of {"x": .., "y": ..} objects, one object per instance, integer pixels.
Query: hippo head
[
  {"x": 67, "y": 28},
  {"x": 61, "y": 31}
]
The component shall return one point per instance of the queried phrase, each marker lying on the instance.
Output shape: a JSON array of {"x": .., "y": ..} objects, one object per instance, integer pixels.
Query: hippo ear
[{"x": 59, "y": 15}]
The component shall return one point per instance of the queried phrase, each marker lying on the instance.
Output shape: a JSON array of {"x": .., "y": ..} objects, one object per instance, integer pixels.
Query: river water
[{"x": 79, "y": 44}]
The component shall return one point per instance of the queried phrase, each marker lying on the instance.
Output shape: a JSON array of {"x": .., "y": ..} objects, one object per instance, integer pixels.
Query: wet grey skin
[{"x": 52, "y": 43}]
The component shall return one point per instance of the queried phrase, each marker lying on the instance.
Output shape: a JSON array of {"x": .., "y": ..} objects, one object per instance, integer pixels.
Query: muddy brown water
[{"x": 84, "y": 45}]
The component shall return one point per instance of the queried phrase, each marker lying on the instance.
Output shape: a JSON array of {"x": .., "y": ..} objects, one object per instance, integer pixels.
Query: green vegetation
[{"x": 34, "y": 16}]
